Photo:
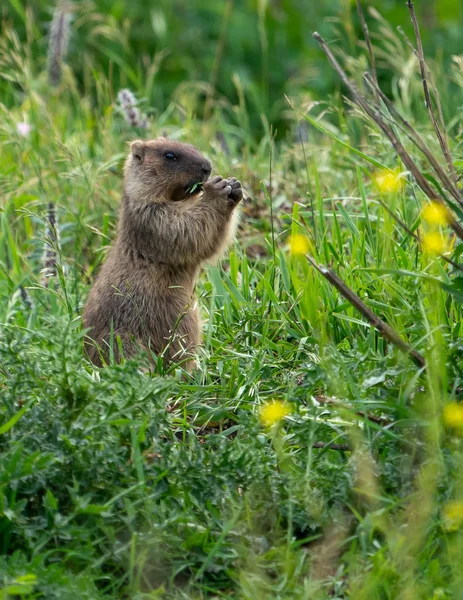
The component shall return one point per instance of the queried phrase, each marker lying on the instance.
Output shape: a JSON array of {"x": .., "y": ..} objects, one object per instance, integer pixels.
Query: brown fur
[{"x": 145, "y": 291}]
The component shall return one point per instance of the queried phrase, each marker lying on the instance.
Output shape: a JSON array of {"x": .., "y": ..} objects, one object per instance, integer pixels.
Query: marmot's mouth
[{"x": 192, "y": 189}]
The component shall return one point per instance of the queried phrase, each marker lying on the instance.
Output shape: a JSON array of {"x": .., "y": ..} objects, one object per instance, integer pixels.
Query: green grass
[{"x": 119, "y": 484}]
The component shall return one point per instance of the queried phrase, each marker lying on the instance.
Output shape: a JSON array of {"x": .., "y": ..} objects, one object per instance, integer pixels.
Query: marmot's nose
[{"x": 207, "y": 168}]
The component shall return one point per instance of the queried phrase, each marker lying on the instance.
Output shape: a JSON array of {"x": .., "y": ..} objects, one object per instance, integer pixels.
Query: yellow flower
[
  {"x": 435, "y": 213},
  {"x": 453, "y": 415},
  {"x": 434, "y": 243},
  {"x": 273, "y": 412},
  {"x": 298, "y": 244},
  {"x": 389, "y": 181},
  {"x": 453, "y": 515}
]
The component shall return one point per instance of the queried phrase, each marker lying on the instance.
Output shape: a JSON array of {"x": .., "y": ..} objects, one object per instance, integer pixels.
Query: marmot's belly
[
  {"x": 156, "y": 320},
  {"x": 144, "y": 307}
]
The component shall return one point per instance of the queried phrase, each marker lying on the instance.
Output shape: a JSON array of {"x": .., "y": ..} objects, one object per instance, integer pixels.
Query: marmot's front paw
[
  {"x": 217, "y": 187},
  {"x": 236, "y": 193}
]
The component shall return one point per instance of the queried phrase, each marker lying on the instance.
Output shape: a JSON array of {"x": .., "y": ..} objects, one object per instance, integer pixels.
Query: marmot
[{"x": 168, "y": 227}]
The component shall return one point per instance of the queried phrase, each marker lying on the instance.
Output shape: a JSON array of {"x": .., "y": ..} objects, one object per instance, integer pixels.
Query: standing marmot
[{"x": 144, "y": 293}]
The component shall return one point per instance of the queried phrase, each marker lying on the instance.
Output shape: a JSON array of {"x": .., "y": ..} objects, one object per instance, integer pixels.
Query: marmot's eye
[{"x": 170, "y": 156}]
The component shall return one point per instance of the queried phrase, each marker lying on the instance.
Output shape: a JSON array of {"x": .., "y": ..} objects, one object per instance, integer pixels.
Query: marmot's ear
[{"x": 138, "y": 150}]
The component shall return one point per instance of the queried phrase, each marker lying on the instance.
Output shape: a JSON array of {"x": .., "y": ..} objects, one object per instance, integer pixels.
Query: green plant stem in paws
[{"x": 195, "y": 188}]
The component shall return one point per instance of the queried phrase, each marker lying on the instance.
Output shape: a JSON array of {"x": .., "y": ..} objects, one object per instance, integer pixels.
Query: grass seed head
[
  {"x": 26, "y": 298},
  {"x": 58, "y": 43},
  {"x": 51, "y": 247},
  {"x": 128, "y": 106}
]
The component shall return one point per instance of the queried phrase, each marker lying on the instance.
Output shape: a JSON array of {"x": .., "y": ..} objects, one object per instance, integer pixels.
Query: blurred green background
[
  {"x": 113, "y": 484},
  {"x": 261, "y": 49}
]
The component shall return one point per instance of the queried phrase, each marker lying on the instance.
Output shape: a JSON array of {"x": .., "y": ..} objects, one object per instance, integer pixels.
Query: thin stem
[
  {"x": 441, "y": 134},
  {"x": 217, "y": 58},
  {"x": 330, "y": 446},
  {"x": 366, "y": 34}
]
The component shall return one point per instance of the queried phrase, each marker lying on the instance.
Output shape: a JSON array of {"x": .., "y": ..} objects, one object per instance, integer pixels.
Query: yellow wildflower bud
[
  {"x": 273, "y": 412},
  {"x": 453, "y": 415},
  {"x": 389, "y": 181},
  {"x": 453, "y": 515},
  {"x": 434, "y": 243},
  {"x": 435, "y": 213},
  {"x": 299, "y": 244}
]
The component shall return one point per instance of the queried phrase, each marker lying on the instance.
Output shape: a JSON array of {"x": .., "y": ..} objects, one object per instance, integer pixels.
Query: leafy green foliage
[
  {"x": 250, "y": 51},
  {"x": 121, "y": 483}
]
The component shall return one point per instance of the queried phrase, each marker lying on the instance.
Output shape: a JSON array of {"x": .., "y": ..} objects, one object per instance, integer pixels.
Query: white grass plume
[
  {"x": 58, "y": 43},
  {"x": 128, "y": 106},
  {"x": 52, "y": 246}
]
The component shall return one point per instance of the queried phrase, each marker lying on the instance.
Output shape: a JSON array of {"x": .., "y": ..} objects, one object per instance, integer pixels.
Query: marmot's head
[{"x": 164, "y": 170}]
